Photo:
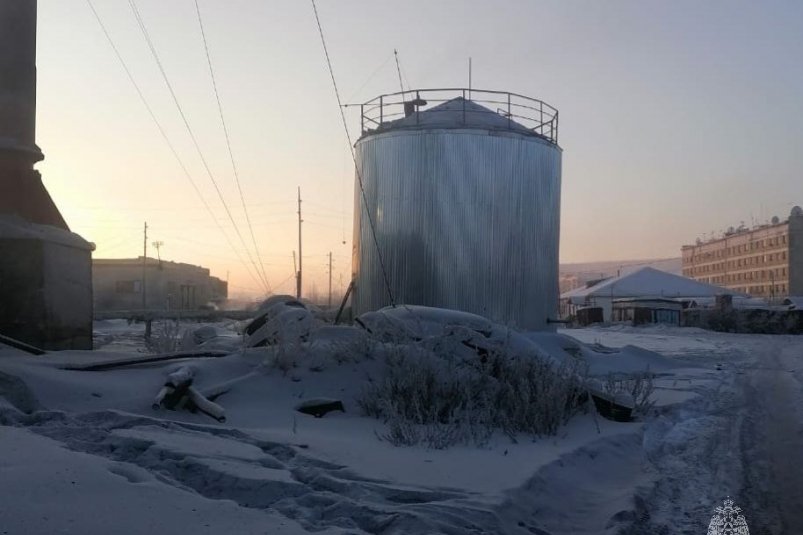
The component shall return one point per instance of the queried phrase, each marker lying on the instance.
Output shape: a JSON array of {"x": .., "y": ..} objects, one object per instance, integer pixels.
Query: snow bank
[{"x": 271, "y": 468}]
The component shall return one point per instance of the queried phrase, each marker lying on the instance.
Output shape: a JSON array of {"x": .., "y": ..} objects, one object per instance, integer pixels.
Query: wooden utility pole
[
  {"x": 295, "y": 270},
  {"x": 144, "y": 263},
  {"x": 330, "y": 280},
  {"x": 300, "y": 270}
]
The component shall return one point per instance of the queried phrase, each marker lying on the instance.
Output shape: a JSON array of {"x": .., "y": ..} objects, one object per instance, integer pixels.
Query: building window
[{"x": 128, "y": 287}]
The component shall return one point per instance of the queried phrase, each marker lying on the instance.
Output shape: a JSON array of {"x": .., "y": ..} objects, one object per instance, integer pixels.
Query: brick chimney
[{"x": 21, "y": 190}]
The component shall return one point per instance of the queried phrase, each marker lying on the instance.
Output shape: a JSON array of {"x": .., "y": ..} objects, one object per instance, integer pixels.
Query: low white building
[{"x": 646, "y": 282}]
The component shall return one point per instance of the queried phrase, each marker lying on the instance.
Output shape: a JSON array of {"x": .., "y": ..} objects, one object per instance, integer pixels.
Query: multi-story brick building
[{"x": 765, "y": 261}]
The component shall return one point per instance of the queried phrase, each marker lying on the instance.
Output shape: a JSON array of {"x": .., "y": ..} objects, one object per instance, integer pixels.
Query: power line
[
  {"x": 365, "y": 83},
  {"x": 228, "y": 142},
  {"x": 285, "y": 281},
  {"x": 163, "y": 133},
  {"x": 354, "y": 157},
  {"x": 146, "y": 35}
]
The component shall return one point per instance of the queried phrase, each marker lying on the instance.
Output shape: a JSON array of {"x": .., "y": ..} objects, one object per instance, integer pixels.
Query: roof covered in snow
[
  {"x": 459, "y": 113},
  {"x": 648, "y": 282},
  {"x": 15, "y": 228}
]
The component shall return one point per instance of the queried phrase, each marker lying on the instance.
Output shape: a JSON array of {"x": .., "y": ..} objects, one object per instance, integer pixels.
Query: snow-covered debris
[
  {"x": 178, "y": 393},
  {"x": 284, "y": 298},
  {"x": 319, "y": 407},
  {"x": 274, "y": 300},
  {"x": 194, "y": 338},
  {"x": 285, "y": 321},
  {"x": 434, "y": 327},
  {"x": 209, "y": 337},
  {"x": 418, "y": 322}
]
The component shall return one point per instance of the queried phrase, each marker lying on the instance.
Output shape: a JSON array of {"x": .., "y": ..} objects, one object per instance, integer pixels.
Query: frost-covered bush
[
  {"x": 353, "y": 348},
  {"x": 325, "y": 347},
  {"x": 638, "y": 386},
  {"x": 165, "y": 337},
  {"x": 286, "y": 352},
  {"x": 438, "y": 394}
]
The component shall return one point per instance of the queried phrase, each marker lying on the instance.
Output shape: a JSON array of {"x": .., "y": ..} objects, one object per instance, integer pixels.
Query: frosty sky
[{"x": 677, "y": 118}]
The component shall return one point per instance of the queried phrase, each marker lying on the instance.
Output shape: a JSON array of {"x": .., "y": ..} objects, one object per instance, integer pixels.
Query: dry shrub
[
  {"x": 640, "y": 386},
  {"x": 444, "y": 398},
  {"x": 165, "y": 337}
]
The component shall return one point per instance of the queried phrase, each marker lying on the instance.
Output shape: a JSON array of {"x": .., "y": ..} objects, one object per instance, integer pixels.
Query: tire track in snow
[
  {"x": 315, "y": 493},
  {"x": 743, "y": 439},
  {"x": 693, "y": 451},
  {"x": 772, "y": 445}
]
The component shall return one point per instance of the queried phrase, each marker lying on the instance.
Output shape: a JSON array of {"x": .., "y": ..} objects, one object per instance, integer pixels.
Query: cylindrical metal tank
[{"x": 465, "y": 204}]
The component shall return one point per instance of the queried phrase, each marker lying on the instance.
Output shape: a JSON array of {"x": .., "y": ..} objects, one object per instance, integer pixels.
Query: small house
[{"x": 641, "y": 311}]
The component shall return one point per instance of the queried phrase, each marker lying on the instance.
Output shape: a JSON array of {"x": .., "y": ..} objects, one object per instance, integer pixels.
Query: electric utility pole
[
  {"x": 330, "y": 279},
  {"x": 144, "y": 262},
  {"x": 300, "y": 270}
]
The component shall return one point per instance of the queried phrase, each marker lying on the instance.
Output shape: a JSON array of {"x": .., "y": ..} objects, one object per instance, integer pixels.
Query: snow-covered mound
[
  {"x": 273, "y": 468},
  {"x": 281, "y": 320}
]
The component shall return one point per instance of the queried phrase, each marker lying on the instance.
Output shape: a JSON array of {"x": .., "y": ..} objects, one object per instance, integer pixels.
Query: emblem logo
[{"x": 728, "y": 520}]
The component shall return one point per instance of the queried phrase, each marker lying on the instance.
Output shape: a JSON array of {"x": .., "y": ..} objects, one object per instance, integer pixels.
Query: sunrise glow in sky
[{"x": 677, "y": 118}]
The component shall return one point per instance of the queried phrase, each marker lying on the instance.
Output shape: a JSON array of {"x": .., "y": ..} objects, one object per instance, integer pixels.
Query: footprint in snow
[{"x": 133, "y": 474}]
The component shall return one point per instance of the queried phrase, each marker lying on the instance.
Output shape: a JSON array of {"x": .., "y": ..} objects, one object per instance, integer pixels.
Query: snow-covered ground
[
  {"x": 740, "y": 436},
  {"x": 84, "y": 451}
]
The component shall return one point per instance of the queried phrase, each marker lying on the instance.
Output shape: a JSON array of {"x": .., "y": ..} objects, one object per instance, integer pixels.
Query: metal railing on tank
[{"x": 388, "y": 111}]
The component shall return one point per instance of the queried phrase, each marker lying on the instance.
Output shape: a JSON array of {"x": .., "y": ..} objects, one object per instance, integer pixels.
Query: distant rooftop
[
  {"x": 648, "y": 282},
  {"x": 742, "y": 229},
  {"x": 137, "y": 262},
  {"x": 460, "y": 108}
]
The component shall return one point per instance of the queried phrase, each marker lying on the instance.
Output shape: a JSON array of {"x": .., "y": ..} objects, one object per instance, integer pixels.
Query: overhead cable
[
  {"x": 354, "y": 157},
  {"x": 165, "y": 136},
  {"x": 154, "y": 53},
  {"x": 228, "y": 142}
]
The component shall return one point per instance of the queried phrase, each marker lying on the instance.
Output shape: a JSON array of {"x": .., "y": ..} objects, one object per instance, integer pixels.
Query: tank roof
[
  {"x": 460, "y": 108},
  {"x": 458, "y": 113}
]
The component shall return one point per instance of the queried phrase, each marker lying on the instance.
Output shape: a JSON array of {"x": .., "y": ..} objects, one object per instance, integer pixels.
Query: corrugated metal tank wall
[{"x": 465, "y": 219}]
